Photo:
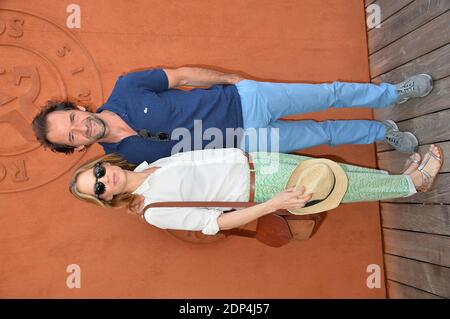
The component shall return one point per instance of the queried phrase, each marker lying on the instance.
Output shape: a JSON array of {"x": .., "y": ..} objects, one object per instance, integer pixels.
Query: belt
[{"x": 251, "y": 167}]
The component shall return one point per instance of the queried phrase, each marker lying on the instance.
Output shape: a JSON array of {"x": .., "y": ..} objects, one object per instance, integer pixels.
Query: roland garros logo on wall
[{"x": 40, "y": 60}]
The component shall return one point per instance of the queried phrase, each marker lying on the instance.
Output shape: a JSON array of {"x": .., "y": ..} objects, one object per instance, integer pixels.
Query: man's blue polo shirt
[{"x": 144, "y": 101}]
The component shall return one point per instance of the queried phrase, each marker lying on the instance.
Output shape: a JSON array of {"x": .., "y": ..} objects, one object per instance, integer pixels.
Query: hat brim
[{"x": 336, "y": 195}]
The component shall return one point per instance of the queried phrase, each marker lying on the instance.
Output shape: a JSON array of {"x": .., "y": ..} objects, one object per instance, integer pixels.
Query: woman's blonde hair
[{"x": 120, "y": 200}]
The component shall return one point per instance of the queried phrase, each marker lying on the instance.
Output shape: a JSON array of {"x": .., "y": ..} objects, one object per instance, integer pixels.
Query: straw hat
[{"x": 322, "y": 177}]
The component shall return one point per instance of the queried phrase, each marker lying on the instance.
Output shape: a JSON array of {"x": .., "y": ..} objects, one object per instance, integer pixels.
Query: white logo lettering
[
  {"x": 374, "y": 279},
  {"x": 74, "y": 279},
  {"x": 74, "y": 19},
  {"x": 373, "y": 16}
]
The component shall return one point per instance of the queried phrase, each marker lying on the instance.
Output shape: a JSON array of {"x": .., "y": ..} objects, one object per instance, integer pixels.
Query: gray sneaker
[
  {"x": 405, "y": 142},
  {"x": 390, "y": 125},
  {"x": 415, "y": 86}
]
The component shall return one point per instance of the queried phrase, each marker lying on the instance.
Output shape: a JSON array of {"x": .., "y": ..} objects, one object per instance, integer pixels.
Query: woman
[{"x": 225, "y": 175}]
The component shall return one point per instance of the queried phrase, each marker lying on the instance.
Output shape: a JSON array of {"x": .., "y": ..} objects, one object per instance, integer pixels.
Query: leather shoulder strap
[{"x": 200, "y": 204}]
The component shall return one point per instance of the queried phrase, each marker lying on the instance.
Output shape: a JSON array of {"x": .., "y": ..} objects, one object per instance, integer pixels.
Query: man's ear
[
  {"x": 80, "y": 148},
  {"x": 81, "y": 108}
]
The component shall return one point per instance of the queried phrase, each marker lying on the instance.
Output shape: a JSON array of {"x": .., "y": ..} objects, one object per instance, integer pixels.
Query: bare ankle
[{"x": 415, "y": 177}]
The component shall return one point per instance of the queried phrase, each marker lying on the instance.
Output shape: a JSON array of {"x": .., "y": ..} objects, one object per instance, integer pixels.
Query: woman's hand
[{"x": 290, "y": 199}]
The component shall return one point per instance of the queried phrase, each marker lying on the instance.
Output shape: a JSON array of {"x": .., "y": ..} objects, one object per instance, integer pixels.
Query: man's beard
[{"x": 100, "y": 124}]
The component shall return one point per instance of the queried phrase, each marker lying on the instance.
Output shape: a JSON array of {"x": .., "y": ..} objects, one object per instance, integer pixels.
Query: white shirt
[{"x": 203, "y": 175}]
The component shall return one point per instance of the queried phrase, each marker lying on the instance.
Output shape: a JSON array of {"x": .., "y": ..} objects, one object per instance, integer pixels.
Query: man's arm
[{"x": 192, "y": 76}]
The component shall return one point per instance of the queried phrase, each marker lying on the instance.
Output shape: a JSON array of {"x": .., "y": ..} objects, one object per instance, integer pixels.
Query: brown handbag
[{"x": 274, "y": 230}]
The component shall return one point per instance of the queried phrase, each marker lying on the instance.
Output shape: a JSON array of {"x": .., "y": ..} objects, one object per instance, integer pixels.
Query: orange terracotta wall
[{"x": 43, "y": 229}]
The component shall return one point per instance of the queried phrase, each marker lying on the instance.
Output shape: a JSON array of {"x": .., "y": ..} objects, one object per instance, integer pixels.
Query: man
[{"x": 145, "y": 116}]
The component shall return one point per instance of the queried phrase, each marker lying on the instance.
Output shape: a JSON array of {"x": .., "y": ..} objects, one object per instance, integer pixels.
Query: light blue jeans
[{"x": 263, "y": 103}]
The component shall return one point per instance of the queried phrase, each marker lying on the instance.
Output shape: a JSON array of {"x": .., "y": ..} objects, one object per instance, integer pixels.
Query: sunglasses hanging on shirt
[{"x": 161, "y": 136}]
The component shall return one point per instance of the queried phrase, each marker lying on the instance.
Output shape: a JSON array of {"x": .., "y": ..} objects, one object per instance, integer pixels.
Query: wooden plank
[
  {"x": 435, "y": 63},
  {"x": 432, "y": 219},
  {"x": 439, "y": 195},
  {"x": 407, "y": 48},
  {"x": 434, "y": 249},
  {"x": 430, "y": 128},
  {"x": 437, "y": 100},
  {"x": 431, "y": 278},
  {"x": 408, "y": 19},
  {"x": 399, "y": 291},
  {"x": 394, "y": 161},
  {"x": 389, "y": 8},
  {"x": 368, "y": 2}
]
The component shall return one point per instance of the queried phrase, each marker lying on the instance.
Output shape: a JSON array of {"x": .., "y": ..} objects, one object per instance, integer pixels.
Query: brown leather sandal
[{"x": 412, "y": 159}]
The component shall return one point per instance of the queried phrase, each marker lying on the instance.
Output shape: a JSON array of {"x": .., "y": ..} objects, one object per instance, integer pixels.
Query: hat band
[{"x": 317, "y": 201}]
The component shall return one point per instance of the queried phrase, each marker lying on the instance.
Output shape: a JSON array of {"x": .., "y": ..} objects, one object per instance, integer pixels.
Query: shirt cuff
[
  {"x": 212, "y": 227},
  {"x": 411, "y": 186}
]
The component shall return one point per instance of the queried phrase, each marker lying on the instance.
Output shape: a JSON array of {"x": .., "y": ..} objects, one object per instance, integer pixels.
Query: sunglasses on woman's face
[{"x": 99, "y": 172}]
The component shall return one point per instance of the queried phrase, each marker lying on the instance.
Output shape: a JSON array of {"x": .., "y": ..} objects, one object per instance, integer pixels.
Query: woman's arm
[
  {"x": 211, "y": 221},
  {"x": 288, "y": 199}
]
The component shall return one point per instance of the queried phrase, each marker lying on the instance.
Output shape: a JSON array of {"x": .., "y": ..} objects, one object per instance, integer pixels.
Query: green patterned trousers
[{"x": 272, "y": 171}]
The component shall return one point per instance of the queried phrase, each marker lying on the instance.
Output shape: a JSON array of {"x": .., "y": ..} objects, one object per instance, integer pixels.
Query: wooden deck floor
[{"x": 414, "y": 37}]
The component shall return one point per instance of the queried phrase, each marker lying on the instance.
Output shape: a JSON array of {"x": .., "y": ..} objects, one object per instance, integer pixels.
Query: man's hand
[{"x": 233, "y": 78}]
